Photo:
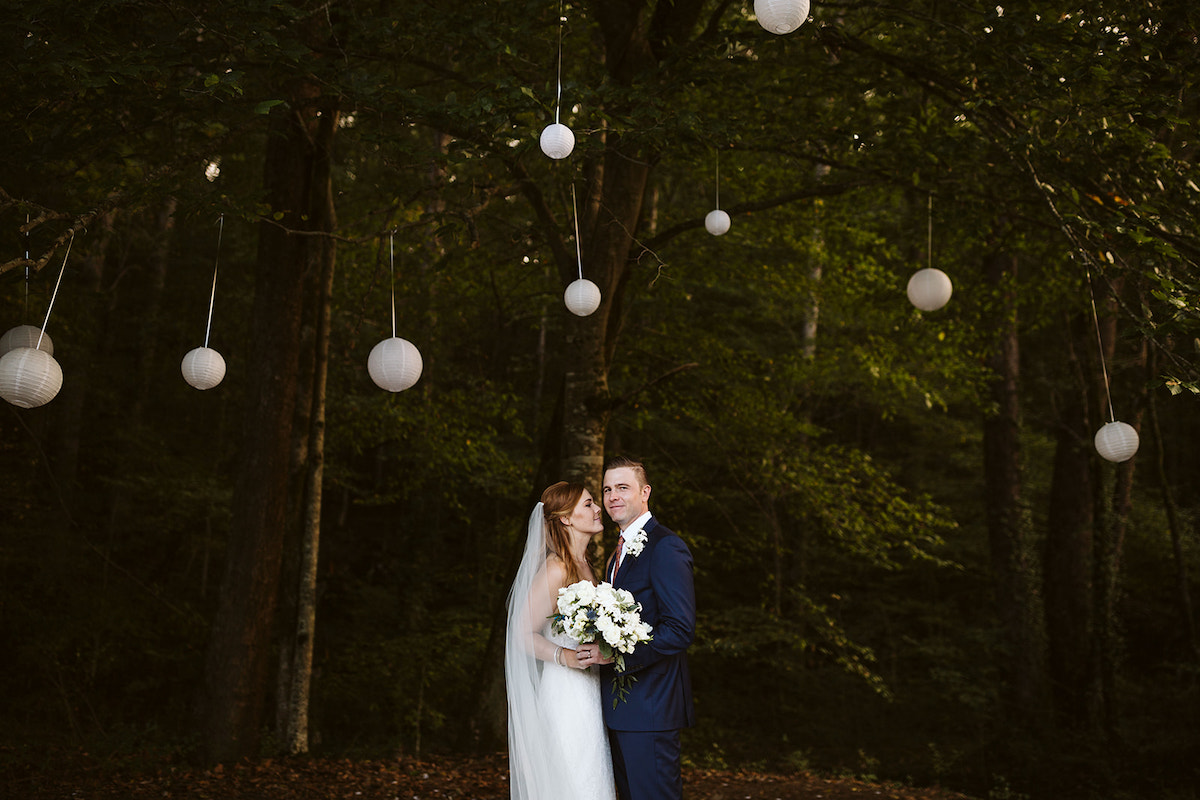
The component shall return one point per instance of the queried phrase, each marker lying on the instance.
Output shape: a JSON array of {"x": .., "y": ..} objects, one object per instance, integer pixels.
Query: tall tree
[
  {"x": 1007, "y": 519},
  {"x": 1069, "y": 559},
  {"x": 239, "y": 654},
  {"x": 297, "y": 629}
]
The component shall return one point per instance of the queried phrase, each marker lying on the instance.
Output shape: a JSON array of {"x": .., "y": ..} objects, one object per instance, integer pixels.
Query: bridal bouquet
[{"x": 606, "y": 615}]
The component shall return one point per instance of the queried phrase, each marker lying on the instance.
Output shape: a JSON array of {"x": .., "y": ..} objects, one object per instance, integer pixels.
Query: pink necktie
[{"x": 617, "y": 558}]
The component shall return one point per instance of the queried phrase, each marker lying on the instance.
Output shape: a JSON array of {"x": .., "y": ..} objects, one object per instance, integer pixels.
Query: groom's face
[{"x": 625, "y": 499}]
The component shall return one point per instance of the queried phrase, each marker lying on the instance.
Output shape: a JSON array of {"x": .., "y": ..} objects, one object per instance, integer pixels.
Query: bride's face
[{"x": 586, "y": 516}]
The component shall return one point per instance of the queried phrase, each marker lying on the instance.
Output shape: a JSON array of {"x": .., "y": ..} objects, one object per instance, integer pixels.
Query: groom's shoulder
[
  {"x": 656, "y": 530},
  {"x": 654, "y": 527}
]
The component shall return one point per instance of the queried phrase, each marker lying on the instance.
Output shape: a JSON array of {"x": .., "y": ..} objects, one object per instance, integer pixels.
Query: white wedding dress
[
  {"x": 571, "y": 712},
  {"x": 557, "y": 742}
]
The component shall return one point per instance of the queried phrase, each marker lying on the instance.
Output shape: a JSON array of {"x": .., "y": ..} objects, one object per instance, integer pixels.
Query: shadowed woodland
[{"x": 913, "y": 568}]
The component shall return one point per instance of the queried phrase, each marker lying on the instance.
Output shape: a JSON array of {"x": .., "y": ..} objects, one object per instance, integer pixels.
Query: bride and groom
[{"x": 571, "y": 733}]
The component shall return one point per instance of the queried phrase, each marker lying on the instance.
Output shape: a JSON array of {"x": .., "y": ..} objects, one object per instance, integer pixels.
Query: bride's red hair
[{"x": 558, "y": 501}]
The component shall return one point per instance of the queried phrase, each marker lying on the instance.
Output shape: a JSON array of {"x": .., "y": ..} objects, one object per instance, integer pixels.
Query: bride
[{"x": 557, "y": 744}]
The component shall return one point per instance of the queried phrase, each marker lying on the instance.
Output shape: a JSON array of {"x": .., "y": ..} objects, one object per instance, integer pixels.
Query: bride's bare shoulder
[{"x": 555, "y": 567}]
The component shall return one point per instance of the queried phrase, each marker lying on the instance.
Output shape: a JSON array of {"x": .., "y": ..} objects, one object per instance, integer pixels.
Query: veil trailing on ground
[{"x": 534, "y": 774}]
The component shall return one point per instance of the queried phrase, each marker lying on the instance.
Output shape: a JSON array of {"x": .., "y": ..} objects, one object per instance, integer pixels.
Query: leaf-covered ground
[{"x": 78, "y": 776}]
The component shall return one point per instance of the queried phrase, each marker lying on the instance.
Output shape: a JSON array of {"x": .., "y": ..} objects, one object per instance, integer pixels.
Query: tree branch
[{"x": 629, "y": 397}]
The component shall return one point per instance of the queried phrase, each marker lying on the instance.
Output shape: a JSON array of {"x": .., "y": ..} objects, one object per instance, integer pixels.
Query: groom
[{"x": 655, "y": 565}]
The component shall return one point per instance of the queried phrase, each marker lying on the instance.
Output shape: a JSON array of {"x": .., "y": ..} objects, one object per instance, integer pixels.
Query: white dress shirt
[{"x": 633, "y": 528}]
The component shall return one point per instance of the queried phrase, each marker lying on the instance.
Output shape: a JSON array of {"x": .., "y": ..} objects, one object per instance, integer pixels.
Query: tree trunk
[
  {"x": 812, "y": 308},
  {"x": 609, "y": 223},
  {"x": 1114, "y": 510},
  {"x": 296, "y": 671},
  {"x": 1174, "y": 524},
  {"x": 1008, "y": 525},
  {"x": 607, "y": 231},
  {"x": 237, "y": 668},
  {"x": 777, "y": 552},
  {"x": 1067, "y": 567},
  {"x": 92, "y": 321},
  {"x": 150, "y": 334}
]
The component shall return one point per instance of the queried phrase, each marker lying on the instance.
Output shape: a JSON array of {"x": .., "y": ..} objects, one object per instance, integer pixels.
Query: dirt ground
[{"x": 80, "y": 776}]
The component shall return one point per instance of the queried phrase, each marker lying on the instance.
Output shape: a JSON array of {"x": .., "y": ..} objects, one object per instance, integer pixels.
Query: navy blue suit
[{"x": 644, "y": 728}]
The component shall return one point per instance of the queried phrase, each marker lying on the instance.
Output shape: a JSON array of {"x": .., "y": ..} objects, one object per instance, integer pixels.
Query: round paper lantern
[
  {"x": 557, "y": 140},
  {"x": 781, "y": 16},
  {"x": 582, "y": 297},
  {"x": 25, "y": 336},
  {"x": 717, "y": 222},
  {"x": 1116, "y": 442},
  {"x": 394, "y": 364},
  {"x": 203, "y": 368},
  {"x": 29, "y": 377},
  {"x": 929, "y": 289}
]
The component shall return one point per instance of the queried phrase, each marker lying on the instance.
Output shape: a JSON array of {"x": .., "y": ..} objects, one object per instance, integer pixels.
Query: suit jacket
[{"x": 660, "y": 578}]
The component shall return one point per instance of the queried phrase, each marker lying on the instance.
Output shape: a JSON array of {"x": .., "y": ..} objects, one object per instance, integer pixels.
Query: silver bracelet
[{"x": 557, "y": 653}]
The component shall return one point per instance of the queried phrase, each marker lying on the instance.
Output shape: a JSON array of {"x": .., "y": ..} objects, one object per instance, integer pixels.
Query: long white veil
[{"x": 533, "y": 773}]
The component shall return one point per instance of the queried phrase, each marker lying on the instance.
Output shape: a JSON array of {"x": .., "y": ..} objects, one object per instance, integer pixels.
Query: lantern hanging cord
[
  {"x": 578, "y": 249},
  {"x": 718, "y": 179},
  {"x": 1112, "y": 417},
  {"x": 392, "y": 269},
  {"x": 929, "y": 241},
  {"x": 212, "y": 297},
  {"x": 57, "y": 283},
  {"x": 558, "y": 95},
  {"x": 27, "y": 262}
]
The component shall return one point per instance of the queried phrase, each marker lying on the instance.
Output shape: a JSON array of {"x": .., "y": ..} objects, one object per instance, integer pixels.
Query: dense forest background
[{"x": 911, "y": 563}]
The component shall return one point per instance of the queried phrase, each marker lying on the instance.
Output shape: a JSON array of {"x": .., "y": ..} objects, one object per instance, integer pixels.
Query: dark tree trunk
[
  {"x": 610, "y": 219},
  {"x": 1114, "y": 509},
  {"x": 298, "y": 627},
  {"x": 778, "y": 551},
  {"x": 150, "y": 333},
  {"x": 1174, "y": 523},
  {"x": 77, "y": 359},
  {"x": 237, "y": 670},
  {"x": 1067, "y": 566},
  {"x": 1008, "y": 525}
]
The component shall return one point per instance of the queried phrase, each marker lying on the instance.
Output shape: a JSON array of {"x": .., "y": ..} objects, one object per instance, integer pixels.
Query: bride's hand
[
  {"x": 588, "y": 655},
  {"x": 581, "y": 658}
]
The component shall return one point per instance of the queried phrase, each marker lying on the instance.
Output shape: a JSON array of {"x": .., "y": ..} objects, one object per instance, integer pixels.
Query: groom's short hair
[{"x": 619, "y": 462}]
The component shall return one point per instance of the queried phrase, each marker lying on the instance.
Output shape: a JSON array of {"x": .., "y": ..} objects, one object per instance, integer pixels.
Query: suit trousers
[{"x": 646, "y": 764}]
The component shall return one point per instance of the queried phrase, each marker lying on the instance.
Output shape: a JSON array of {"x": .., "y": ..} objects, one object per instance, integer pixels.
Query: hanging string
[
  {"x": 578, "y": 250},
  {"x": 558, "y": 96},
  {"x": 57, "y": 283},
  {"x": 392, "y": 267},
  {"x": 718, "y": 179},
  {"x": 27, "y": 263},
  {"x": 212, "y": 298},
  {"x": 929, "y": 243},
  {"x": 1112, "y": 417}
]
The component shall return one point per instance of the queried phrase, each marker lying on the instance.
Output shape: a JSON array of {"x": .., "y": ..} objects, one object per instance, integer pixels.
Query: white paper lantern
[
  {"x": 25, "y": 336},
  {"x": 781, "y": 16},
  {"x": 557, "y": 140},
  {"x": 1116, "y": 442},
  {"x": 394, "y": 364},
  {"x": 717, "y": 222},
  {"x": 582, "y": 297},
  {"x": 29, "y": 377},
  {"x": 203, "y": 368},
  {"x": 929, "y": 289}
]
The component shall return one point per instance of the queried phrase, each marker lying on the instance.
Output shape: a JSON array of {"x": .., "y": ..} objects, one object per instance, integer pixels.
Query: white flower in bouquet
[{"x": 606, "y": 615}]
